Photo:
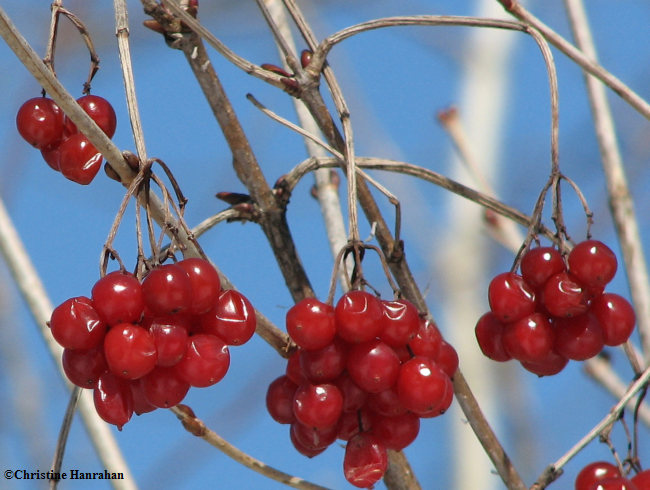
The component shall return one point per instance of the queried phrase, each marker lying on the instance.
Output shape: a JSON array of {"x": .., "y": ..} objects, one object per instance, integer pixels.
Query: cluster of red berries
[
  {"x": 555, "y": 312},
  {"x": 602, "y": 475},
  {"x": 365, "y": 372},
  {"x": 142, "y": 345},
  {"x": 42, "y": 124}
]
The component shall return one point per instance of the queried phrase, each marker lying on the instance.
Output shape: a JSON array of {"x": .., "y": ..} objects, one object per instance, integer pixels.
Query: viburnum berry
[
  {"x": 206, "y": 360},
  {"x": 401, "y": 322},
  {"x": 140, "y": 403},
  {"x": 163, "y": 388},
  {"x": 303, "y": 449},
  {"x": 396, "y": 432},
  {"x": 386, "y": 403},
  {"x": 279, "y": 399},
  {"x": 232, "y": 318},
  {"x": 100, "y": 110},
  {"x": 489, "y": 334},
  {"x": 616, "y": 317},
  {"x": 130, "y": 351},
  {"x": 311, "y": 324},
  {"x": 40, "y": 122},
  {"x": 312, "y": 437},
  {"x": 170, "y": 339},
  {"x": 510, "y": 297},
  {"x": 113, "y": 399},
  {"x": 642, "y": 479},
  {"x": 539, "y": 264},
  {"x": 318, "y": 406},
  {"x": 594, "y": 472},
  {"x": 592, "y": 263},
  {"x": 421, "y": 385},
  {"x": 76, "y": 324},
  {"x": 118, "y": 298},
  {"x": 373, "y": 366},
  {"x": 578, "y": 338},
  {"x": 205, "y": 284},
  {"x": 167, "y": 289},
  {"x": 530, "y": 338},
  {"x": 358, "y": 316},
  {"x": 79, "y": 160},
  {"x": 365, "y": 460},
  {"x": 293, "y": 370},
  {"x": 563, "y": 296},
  {"x": 447, "y": 359},
  {"x": 354, "y": 397},
  {"x": 325, "y": 364},
  {"x": 550, "y": 365},
  {"x": 614, "y": 483},
  {"x": 51, "y": 155},
  {"x": 352, "y": 423},
  {"x": 427, "y": 339},
  {"x": 84, "y": 367}
]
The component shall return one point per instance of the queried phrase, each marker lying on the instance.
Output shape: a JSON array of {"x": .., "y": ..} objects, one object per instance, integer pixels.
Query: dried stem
[
  {"x": 196, "y": 427},
  {"x": 63, "y": 434}
]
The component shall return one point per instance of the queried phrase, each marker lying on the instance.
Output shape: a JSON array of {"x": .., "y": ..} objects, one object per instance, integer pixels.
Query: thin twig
[
  {"x": 63, "y": 434},
  {"x": 196, "y": 427}
]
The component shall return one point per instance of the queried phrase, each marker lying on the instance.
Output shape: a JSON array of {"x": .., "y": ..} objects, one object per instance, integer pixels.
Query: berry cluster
[
  {"x": 602, "y": 475},
  {"x": 364, "y": 372},
  {"x": 555, "y": 312},
  {"x": 142, "y": 345},
  {"x": 43, "y": 125}
]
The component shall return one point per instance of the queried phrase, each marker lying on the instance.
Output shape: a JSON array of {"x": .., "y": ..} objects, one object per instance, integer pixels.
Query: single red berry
[
  {"x": 354, "y": 397},
  {"x": 118, "y": 298},
  {"x": 205, "y": 284},
  {"x": 447, "y": 359},
  {"x": 313, "y": 438},
  {"x": 170, "y": 338},
  {"x": 294, "y": 371},
  {"x": 167, "y": 289},
  {"x": 79, "y": 160},
  {"x": 401, "y": 322},
  {"x": 84, "y": 367},
  {"x": 113, "y": 399},
  {"x": 616, "y": 317},
  {"x": 76, "y": 324},
  {"x": 510, "y": 297},
  {"x": 614, "y": 483},
  {"x": 427, "y": 340},
  {"x": 642, "y": 479},
  {"x": 302, "y": 448},
  {"x": 279, "y": 400},
  {"x": 421, "y": 385},
  {"x": 373, "y": 366},
  {"x": 550, "y": 365},
  {"x": 578, "y": 338},
  {"x": 51, "y": 155},
  {"x": 130, "y": 351},
  {"x": 539, "y": 264},
  {"x": 365, "y": 460},
  {"x": 325, "y": 364},
  {"x": 232, "y": 318},
  {"x": 592, "y": 263},
  {"x": 358, "y": 316},
  {"x": 352, "y": 423},
  {"x": 318, "y": 406},
  {"x": 386, "y": 403},
  {"x": 529, "y": 338},
  {"x": 564, "y": 297},
  {"x": 489, "y": 334},
  {"x": 140, "y": 403},
  {"x": 311, "y": 324},
  {"x": 163, "y": 387},
  {"x": 40, "y": 122},
  {"x": 396, "y": 432},
  {"x": 206, "y": 360},
  {"x": 443, "y": 406},
  {"x": 100, "y": 110}
]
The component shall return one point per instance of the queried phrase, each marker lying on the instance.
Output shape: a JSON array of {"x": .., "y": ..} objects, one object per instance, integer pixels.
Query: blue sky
[{"x": 395, "y": 81}]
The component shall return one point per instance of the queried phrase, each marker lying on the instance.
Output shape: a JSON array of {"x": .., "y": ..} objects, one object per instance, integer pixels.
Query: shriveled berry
[
  {"x": 79, "y": 160},
  {"x": 365, "y": 460},
  {"x": 76, "y": 324},
  {"x": 170, "y": 338},
  {"x": 232, "y": 318},
  {"x": 312, "y": 437},
  {"x": 550, "y": 365}
]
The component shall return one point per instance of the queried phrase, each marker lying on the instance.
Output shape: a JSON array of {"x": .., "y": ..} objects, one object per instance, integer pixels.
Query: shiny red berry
[
  {"x": 163, "y": 388},
  {"x": 550, "y": 365},
  {"x": 113, "y": 399},
  {"x": 40, "y": 122},
  {"x": 312, "y": 438},
  {"x": 130, "y": 351},
  {"x": 99, "y": 110},
  {"x": 373, "y": 366},
  {"x": 578, "y": 338},
  {"x": 206, "y": 360},
  {"x": 401, "y": 322},
  {"x": 318, "y": 406},
  {"x": 489, "y": 335},
  {"x": 76, "y": 324},
  {"x": 510, "y": 297},
  {"x": 539, "y": 264},
  {"x": 592, "y": 263},
  {"x": 564, "y": 297},
  {"x": 421, "y": 385},
  {"x": 118, "y": 298},
  {"x": 396, "y": 432},
  {"x": 616, "y": 317},
  {"x": 84, "y": 367},
  {"x": 358, "y": 316},
  {"x": 170, "y": 338},
  {"x": 167, "y": 289},
  {"x": 232, "y": 318},
  {"x": 79, "y": 160},
  {"x": 365, "y": 460},
  {"x": 205, "y": 284},
  {"x": 427, "y": 339},
  {"x": 447, "y": 359},
  {"x": 642, "y": 479},
  {"x": 279, "y": 399},
  {"x": 325, "y": 364},
  {"x": 311, "y": 324},
  {"x": 529, "y": 338}
]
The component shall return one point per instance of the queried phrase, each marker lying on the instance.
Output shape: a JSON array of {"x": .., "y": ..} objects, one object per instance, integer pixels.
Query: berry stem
[{"x": 64, "y": 432}]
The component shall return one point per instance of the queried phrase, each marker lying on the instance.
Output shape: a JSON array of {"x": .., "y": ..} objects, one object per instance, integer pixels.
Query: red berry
[
  {"x": 421, "y": 385},
  {"x": 373, "y": 366},
  {"x": 564, "y": 297},
  {"x": 489, "y": 334},
  {"x": 365, "y": 460},
  {"x": 170, "y": 339},
  {"x": 550, "y": 365},
  {"x": 75, "y": 324},
  {"x": 140, "y": 403},
  {"x": 443, "y": 406},
  {"x": 163, "y": 387},
  {"x": 539, "y": 264},
  {"x": 79, "y": 160},
  {"x": 510, "y": 297},
  {"x": 206, "y": 360},
  {"x": 401, "y": 322},
  {"x": 113, "y": 399},
  {"x": 642, "y": 479},
  {"x": 318, "y": 406},
  {"x": 311, "y": 324},
  {"x": 529, "y": 338},
  {"x": 352, "y": 423},
  {"x": 353, "y": 396},
  {"x": 427, "y": 340},
  {"x": 99, "y": 110},
  {"x": 40, "y": 122},
  {"x": 614, "y": 483},
  {"x": 130, "y": 351},
  {"x": 232, "y": 318},
  {"x": 578, "y": 338},
  {"x": 294, "y": 371},
  {"x": 167, "y": 289},
  {"x": 313, "y": 438},
  {"x": 358, "y": 316},
  {"x": 386, "y": 403},
  {"x": 592, "y": 263},
  {"x": 205, "y": 284},
  {"x": 51, "y": 155},
  {"x": 326, "y": 364},
  {"x": 396, "y": 432},
  {"x": 616, "y": 317},
  {"x": 84, "y": 367},
  {"x": 302, "y": 448},
  {"x": 279, "y": 400},
  {"x": 447, "y": 359},
  {"x": 118, "y": 298}
]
